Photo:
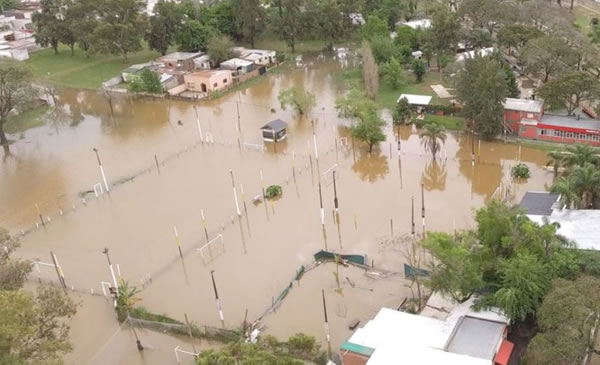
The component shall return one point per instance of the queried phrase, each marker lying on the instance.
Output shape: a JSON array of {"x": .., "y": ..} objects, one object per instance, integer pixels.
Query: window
[
  {"x": 529, "y": 115},
  {"x": 215, "y": 84},
  {"x": 224, "y": 81},
  {"x": 190, "y": 85}
]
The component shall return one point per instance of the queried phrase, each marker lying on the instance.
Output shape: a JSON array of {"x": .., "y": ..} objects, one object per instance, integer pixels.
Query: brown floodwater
[{"x": 260, "y": 251}]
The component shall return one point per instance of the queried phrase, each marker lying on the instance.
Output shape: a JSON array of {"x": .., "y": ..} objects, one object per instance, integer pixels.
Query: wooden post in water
[
  {"x": 178, "y": 242},
  {"x": 59, "y": 272},
  {"x": 327, "y": 335},
  {"x": 40, "y": 215},
  {"x": 423, "y": 207},
  {"x": 218, "y": 302},
  {"x": 187, "y": 322}
]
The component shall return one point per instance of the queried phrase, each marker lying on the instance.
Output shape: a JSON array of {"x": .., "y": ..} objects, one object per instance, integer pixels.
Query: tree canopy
[
  {"x": 15, "y": 90},
  {"x": 301, "y": 101}
]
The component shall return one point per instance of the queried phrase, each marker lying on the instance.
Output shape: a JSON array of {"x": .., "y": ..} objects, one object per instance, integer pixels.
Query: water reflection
[
  {"x": 371, "y": 166},
  {"x": 434, "y": 176}
]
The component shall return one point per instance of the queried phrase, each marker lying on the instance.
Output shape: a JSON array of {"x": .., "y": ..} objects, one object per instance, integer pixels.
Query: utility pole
[
  {"x": 412, "y": 216},
  {"x": 335, "y": 198},
  {"x": 321, "y": 203},
  {"x": 112, "y": 271},
  {"x": 327, "y": 335},
  {"x": 237, "y": 204},
  {"x": 102, "y": 170},
  {"x": 218, "y": 302},
  {"x": 204, "y": 224},
  {"x": 423, "y": 207}
]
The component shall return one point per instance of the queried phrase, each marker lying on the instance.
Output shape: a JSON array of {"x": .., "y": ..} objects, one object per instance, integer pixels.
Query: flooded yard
[{"x": 255, "y": 255}]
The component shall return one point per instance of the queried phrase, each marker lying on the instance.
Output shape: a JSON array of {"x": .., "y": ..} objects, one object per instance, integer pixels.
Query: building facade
[{"x": 208, "y": 81}]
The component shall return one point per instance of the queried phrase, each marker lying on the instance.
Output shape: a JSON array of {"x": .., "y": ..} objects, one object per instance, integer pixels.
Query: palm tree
[
  {"x": 126, "y": 300},
  {"x": 586, "y": 179},
  {"x": 432, "y": 136},
  {"x": 557, "y": 160},
  {"x": 580, "y": 154},
  {"x": 569, "y": 196}
]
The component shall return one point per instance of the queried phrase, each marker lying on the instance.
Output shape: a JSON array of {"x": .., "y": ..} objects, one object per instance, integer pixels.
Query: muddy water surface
[{"x": 254, "y": 256}]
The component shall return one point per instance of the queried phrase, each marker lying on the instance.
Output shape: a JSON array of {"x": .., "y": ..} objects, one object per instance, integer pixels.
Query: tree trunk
[
  {"x": 252, "y": 41},
  {"x": 546, "y": 76},
  {"x": 125, "y": 59},
  {"x": 371, "y": 144},
  {"x": 55, "y": 47},
  {"x": 3, "y": 139},
  {"x": 571, "y": 7},
  {"x": 72, "y": 49}
]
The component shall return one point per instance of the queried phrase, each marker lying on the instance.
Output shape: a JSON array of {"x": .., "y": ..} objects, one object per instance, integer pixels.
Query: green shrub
[
  {"x": 521, "y": 171},
  {"x": 419, "y": 123},
  {"x": 273, "y": 191}
]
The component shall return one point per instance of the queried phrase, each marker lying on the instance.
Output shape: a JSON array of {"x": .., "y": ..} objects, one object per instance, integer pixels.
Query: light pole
[
  {"x": 335, "y": 198},
  {"x": 327, "y": 335},
  {"x": 219, "y": 308},
  {"x": 102, "y": 170},
  {"x": 423, "y": 207},
  {"x": 112, "y": 271},
  {"x": 237, "y": 204}
]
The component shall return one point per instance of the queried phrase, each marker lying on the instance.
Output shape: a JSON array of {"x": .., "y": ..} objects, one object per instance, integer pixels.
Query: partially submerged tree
[
  {"x": 369, "y": 129},
  {"x": 482, "y": 88},
  {"x": 15, "y": 90},
  {"x": 402, "y": 113},
  {"x": 432, "y": 137},
  {"x": 419, "y": 69},
  {"x": 301, "y": 101}
]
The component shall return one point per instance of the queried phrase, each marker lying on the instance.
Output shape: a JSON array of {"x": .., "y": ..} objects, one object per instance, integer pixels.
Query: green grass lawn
[
  {"x": 28, "y": 119},
  {"x": 583, "y": 17},
  {"x": 81, "y": 72},
  {"x": 449, "y": 122}
]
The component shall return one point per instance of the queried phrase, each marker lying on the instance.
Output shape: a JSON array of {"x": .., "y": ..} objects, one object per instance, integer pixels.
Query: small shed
[
  {"x": 274, "y": 131},
  {"x": 416, "y": 100}
]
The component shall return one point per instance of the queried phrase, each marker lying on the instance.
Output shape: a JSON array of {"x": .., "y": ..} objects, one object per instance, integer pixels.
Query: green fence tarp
[
  {"x": 357, "y": 349},
  {"x": 410, "y": 272},
  {"x": 357, "y": 259}
]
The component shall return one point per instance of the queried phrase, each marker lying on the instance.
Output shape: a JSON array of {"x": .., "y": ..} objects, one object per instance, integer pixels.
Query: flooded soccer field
[{"x": 254, "y": 255}]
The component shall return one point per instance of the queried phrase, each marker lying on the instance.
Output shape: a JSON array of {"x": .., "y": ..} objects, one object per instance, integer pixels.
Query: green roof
[{"x": 363, "y": 350}]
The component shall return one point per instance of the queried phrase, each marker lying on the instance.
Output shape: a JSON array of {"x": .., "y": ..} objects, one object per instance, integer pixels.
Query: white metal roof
[
  {"x": 392, "y": 354},
  {"x": 580, "y": 226},
  {"x": 418, "y": 24},
  {"x": 524, "y": 105},
  {"x": 471, "y": 54},
  {"x": 236, "y": 62},
  {"x": 416, "y": 99}
]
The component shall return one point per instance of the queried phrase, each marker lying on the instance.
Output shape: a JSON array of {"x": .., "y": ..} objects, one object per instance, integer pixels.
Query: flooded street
[{"x": 256, "y": 255}]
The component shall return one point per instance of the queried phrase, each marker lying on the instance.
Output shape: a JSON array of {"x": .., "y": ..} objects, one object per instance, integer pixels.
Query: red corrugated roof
[{"x": 503, "y": 355}]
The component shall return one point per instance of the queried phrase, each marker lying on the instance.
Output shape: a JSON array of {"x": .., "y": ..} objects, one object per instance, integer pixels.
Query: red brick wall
[
  {"x": 528, "y": 131},
  {"x": 351, "y": 358}
]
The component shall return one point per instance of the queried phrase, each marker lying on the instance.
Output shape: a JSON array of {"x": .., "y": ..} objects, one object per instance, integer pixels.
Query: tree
[
  {"x": 516, "y": 36},
  {"x": 354, "y": 104},
  {"x": 402, "y": 113},
  {"x": 570, "y": 90},
  {"x": 47, "y": 24},
  {"x": 34, "y": 329},
  {"x": 300, "y": 100},
  {"x": 374, "y": 27},
  {"x": 13, "y": 272},
  {"x": 369, "y": 130},
  {"x": 83, "y": 23},
  {"x": 557, "y": 161},
  {"x": 392, "y": 10},
  {"x": 524, "y": 284},
  {"x": 480, "y": 38},
  {"x": 489, "y": 14},
  {"x": 15, "y": 90},
  {"x": 444, "y": 33},
  {"x": 165, "y": 25},
  {"x": 457, "y": 269},
  {"x": 9, "y": 4},
  {"x": 330, "y": 21},
  {"x": 383, "y": 49},
  {"x": 569, "y": 197},
  {"x": 580, "y": 155},
  {"x": 482, "y": 88},
  {"x": 219, "y": 49},
  {"x": 432, "y": 136},
  {"x": 148, "y": 81},
  {"x": 220, "y": 15},
  {"x": 121, "y": 27},
  {"x": 370, "y": 71},
  {"x": 546, "y": 56},
  {"x": 392, "y": 74},
  {"x": 250, "y": 18},
  {"x": 195, "y": 36},
  {"x": 126, "y": 300},
  {"x": 289, "y": 21},
  {"x": 407, "y": 36},
  {"x": 565, "y": 322},
  {"x": 586, "y": 180},
  {"x": 418, "y": 67}
]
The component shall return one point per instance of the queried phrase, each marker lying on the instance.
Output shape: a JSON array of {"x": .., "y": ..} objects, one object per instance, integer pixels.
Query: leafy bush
[
  {"x": 273, "y": 191},
  {"x": 392, "y": 74},
  {"x": 521, "y": 171},
  {"x": 148, "y": 81},
  {"x": 419, "y": 123}
]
